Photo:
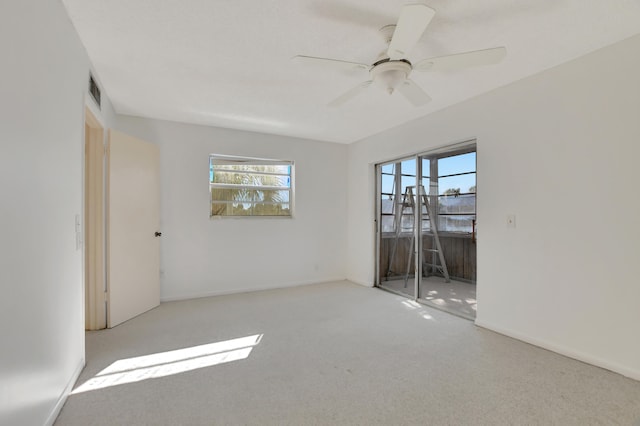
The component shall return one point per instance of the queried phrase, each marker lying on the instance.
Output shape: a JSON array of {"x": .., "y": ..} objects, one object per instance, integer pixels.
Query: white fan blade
[
  {"x": 350, "y": 94},
  {"x": 414, "y": 19},
  {"x": 331, "y": 63},
  {"x": 413, "y": 93},
  {"x": 462, "y": 60}
]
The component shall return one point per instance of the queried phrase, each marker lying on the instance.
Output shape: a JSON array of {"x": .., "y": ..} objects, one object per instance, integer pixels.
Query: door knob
[{"x": 158, "y": 234}]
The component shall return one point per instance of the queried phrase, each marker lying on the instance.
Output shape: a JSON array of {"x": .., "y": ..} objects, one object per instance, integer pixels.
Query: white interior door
[{"x": 133, "y": 218}]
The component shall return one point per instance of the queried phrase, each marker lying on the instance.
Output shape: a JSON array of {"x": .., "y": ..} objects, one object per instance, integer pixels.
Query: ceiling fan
[{"x": 392, "y": 69}]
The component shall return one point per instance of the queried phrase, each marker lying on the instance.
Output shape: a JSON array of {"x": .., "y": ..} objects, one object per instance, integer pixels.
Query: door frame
[{"x": 94, "y": 219}]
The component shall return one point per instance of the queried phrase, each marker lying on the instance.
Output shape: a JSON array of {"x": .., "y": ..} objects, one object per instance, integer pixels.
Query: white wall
[
  {"x": 201, "y": 257},
  {"x": 559, "y": 150},
  {"x": 43, "y": 80},
  {"x": 545, "y": 144}
]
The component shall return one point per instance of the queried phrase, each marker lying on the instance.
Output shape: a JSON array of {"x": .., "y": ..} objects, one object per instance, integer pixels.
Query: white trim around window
[{"x": 250, "y": 187}]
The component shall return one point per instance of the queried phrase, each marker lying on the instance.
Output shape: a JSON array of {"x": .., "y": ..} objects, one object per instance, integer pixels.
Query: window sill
[{"x": 216, "y": 218}]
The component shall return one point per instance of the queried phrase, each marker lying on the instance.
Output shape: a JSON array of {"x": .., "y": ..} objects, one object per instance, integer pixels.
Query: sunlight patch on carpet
[{"x": 168, "y": 363}]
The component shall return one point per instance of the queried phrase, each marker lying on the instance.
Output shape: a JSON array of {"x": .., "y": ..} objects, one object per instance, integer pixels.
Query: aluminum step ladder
[{"x": 409, "y": 203}]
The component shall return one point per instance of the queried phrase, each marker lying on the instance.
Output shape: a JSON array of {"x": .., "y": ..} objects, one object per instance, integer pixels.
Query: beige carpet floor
[
  {"x": 454, "y": 297},
  {"x": 332, "y": 354}
]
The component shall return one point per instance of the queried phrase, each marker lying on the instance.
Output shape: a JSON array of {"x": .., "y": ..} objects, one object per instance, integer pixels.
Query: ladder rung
[{"x": 431, "y": 250}]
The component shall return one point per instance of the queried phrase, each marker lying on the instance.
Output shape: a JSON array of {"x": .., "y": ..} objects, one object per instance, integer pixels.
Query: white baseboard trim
[
  {"x": 360, "y": 282},
  {"x": 199, "y": 295},
  {"x": 562, "y": 350},
  {"x": 65, "y": 394}
]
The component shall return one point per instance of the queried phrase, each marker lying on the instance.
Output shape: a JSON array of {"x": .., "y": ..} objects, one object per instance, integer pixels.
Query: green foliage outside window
[{"x": 250, "y": 187}]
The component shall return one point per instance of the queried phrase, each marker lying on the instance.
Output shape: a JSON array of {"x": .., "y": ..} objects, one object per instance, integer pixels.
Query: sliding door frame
[{"x": 443, "y": 151}]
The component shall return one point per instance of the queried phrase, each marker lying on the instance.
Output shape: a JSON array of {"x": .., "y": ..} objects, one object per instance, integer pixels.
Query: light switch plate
[{"x": 78, "y": 232}]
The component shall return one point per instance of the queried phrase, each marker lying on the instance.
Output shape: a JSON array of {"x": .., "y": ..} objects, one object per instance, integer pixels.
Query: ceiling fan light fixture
[
  {"x": 392, "y": 69},
  {"x": 390, "y": 75}
]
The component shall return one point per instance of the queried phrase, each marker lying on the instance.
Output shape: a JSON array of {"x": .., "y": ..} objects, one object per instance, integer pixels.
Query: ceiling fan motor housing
[{"x": 390, "y": 74}]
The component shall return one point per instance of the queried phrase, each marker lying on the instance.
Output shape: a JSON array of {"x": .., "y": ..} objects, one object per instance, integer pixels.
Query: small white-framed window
[{"x": 249, "y": 187}]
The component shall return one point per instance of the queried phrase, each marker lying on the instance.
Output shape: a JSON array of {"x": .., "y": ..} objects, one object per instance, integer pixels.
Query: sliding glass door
[
  {"x": 426, "y": 206},
  {"x": 398, "y": 214}
]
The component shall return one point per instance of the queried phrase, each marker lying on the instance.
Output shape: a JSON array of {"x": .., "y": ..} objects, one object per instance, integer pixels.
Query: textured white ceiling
[{"x": 227, "y": 63}]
